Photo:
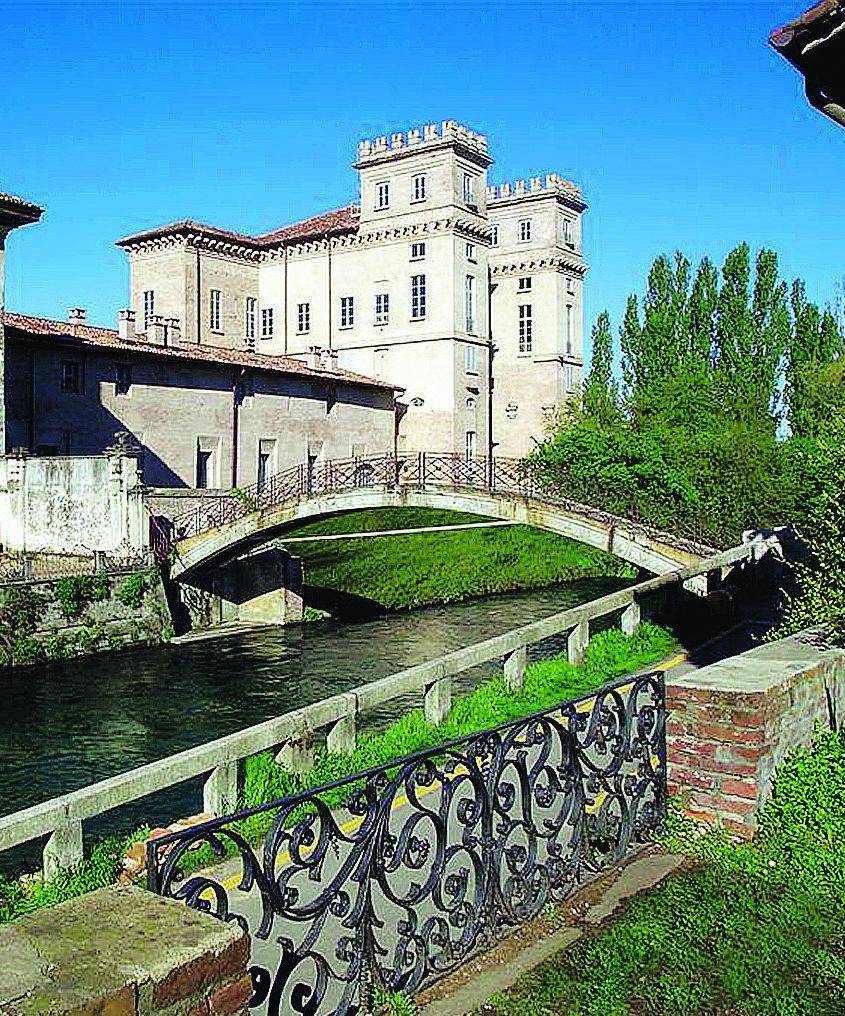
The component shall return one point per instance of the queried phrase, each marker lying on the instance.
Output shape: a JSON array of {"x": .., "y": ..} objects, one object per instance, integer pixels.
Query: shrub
[{"x": 133, "y": 590}]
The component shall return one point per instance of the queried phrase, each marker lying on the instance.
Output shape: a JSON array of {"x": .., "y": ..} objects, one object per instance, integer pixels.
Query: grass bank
[
  {"x": 752, "y": 929},
  {"x": 403, "y": 572},
  {"x": 609, "y": 655}
]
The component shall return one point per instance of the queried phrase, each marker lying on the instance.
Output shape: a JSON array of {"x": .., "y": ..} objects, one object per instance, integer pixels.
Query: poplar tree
[{"x": 601, "y": 392}]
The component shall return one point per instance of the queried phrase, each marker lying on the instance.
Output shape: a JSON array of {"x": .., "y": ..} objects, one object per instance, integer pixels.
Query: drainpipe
[
  {"x": 285, "y": 305},
  {"x": 236, "y": 383},
  {"x": 329, "y": 245},
  {"x": 490, "y": 442},
  {"x": 199, "y": 300}
]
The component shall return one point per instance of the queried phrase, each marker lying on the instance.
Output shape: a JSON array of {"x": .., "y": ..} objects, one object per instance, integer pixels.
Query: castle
[
  {"x": 466, "y": 296},
  {"x": 436, "y": 314}
]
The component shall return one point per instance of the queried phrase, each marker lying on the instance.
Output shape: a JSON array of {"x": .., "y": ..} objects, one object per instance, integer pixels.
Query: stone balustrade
[{"x": 295, "y": 734}]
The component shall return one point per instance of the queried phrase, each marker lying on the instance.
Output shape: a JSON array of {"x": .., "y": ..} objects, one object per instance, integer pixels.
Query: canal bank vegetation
[
  {"x": 609, "y": 655},
  {"x": 43, "y": 620},
  {"x": 755, "y": 928},
  {"x": 404, "y": 572}
]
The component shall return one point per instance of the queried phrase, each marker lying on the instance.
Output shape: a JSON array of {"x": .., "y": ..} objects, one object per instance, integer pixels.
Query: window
[
  {"x": 419, "y": 187},
  {"x": 524, "y": 230},
  {"x": 568, "y": 329},
  {"x": 303, "y": 317},
  {"x": 470, "y": 444},
  {"x": 71, "y": 376},
  {"x": 382, "y": 308},
  {"x": 149, "y": 305},
  {"x": 203, "y": 468},
  {"x": 417, "y": 251},
  {"x": 266, "y": 460},
  {"x": 468, "y": 196},
  {"x": 214, "y": 310},
  {"x": 524, "y": 283},
  {"x": 470, "y": 252},
  {"x": 250, "y": 317},
  {"x": 347, "y": 311},
  {"x": 494, "y": 236},
  {"x": 469, "y": 302},
  {"x": 266, "y": 322},
  {"x": 566, "y": 230},
  {"x": 417, "y": 296},
  {"x": 383, "y": 194},
  {"x": 568, "y": 377},
  {"x": 122, "y": 378},
  {"x": 525, "y": 336},
  {"x": 471, "y": 359},
  {"x": 570, "y": 286}
]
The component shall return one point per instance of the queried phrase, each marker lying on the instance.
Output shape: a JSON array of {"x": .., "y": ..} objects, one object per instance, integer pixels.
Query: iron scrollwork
[{"x": 434, "y": 856}]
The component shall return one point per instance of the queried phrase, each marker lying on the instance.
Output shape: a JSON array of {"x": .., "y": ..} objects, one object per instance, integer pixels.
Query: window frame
[
  {"x": 381, "y": 312},
  {"x": 122, "y": 385},
  {"x": 250, "y": 317},
  {"x": 215, "y": 310},
  {"x": 469, "y": 190},
  {"x": 267, "y": 325},
  {"x": 494, "y": 234},
  {"x": 347, "y": 312},
  {"x": 303, "y": 318},
  {"x": 419, "y": 297},
  {"x": 78, "y": 387},
  {"x": 382, "y": 195},
  {"x": 419, "y": 188},
  {"x": 418, "y": 251},
  {"x": 524, "y": 230},
  {"x": 526, "y": 328},
  {"x": 520, "y": 288},
  {"x": 471, "y": 358},
  {"x": 470, "y": 304},
  {"x": 149, "y": 306}
]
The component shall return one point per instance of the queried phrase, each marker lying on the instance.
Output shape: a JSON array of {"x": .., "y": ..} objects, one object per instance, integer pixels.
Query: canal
[{"x": 65, "y": 725}]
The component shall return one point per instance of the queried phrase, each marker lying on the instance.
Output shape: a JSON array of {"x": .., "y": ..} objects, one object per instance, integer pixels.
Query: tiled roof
[
  {"x": 25, "y": 326},
  {"x": 13, "y": 199},
  {"x": 808, "y": 25},
  {"x": 18, "y": 212},
  {"x": 339, "y": 220}
]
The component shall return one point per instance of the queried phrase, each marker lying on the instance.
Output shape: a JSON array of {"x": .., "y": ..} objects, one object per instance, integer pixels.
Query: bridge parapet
[{"x": 498, "y": 487}]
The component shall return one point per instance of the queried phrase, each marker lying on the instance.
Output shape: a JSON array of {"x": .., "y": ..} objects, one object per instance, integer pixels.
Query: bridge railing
[
  {"x": 61, "y": 819},
  {"x": 416, "y": 470}
]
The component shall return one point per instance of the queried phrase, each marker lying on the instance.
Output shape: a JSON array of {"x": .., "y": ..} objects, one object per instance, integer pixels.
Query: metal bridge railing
[
  {"x": 432, "y": 856},
  {"x": 418, "y": 470}
]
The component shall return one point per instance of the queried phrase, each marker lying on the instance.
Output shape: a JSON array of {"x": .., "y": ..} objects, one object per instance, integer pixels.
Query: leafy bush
[
  {"x": 133, "y": 590},
  {"x": 75, "y": 592}
]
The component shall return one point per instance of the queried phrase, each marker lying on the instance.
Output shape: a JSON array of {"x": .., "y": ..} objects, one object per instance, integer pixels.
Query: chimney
[
  {"x": 77, "y": 315},
  {"x": 315, "y": 357},
  {"x": 157, "y": 331},
  {"x": 331, "y": 359},
  {"x": 174, "y": 331},
  {"x": 126, "y": 325}
]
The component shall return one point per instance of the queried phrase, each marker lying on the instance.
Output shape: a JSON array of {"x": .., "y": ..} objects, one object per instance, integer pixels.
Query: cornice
[
  {"x": 196, "y": 241},
  {"x": 470, "y": 228},
  {"x": 540, "y": 262}
]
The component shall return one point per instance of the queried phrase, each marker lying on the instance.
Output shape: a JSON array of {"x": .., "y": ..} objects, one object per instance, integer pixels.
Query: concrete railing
[{"x": 61, "y": 818}]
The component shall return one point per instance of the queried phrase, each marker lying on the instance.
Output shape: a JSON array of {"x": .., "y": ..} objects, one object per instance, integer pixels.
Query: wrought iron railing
[
  {"x": 430, "y": 857},
  {"x": 512, "y": 477}
]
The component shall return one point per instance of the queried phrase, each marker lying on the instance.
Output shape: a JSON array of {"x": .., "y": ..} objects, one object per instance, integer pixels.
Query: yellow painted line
[{"x": 401, "y": 800}]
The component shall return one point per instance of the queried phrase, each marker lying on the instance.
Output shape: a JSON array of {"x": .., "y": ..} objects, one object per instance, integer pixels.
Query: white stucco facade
[{"x": 418, "y": 284}]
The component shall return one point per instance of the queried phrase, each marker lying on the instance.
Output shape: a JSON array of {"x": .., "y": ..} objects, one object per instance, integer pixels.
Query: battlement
[
  {"x": 419, "y": 137},
  {"x": 552, "y": 184}
]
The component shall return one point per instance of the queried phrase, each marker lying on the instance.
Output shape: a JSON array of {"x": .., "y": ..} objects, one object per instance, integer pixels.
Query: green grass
[
  {"x": 609, "y": 655},
  {"x": 755, "y": 929},
  {"x": 402, "y": 572}
]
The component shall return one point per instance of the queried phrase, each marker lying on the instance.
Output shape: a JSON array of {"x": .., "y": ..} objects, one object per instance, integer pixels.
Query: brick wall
[
  {"x": 123, "y": 952},
  {"x": 731, "y": 724}
]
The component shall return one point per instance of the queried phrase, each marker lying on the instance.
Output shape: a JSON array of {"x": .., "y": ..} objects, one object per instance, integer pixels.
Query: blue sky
[{"x": 684, "y": 129}]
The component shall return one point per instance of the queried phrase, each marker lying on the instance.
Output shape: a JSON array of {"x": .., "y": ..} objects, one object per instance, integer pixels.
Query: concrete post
[
  {"x": 631, "y": 618},
  {"x": 341, "y": 737},
  {"x": 577, "y": 642},
  {"x": 515, "y": 668},
  {"x": 297, "y": 754},
  {"x": 438, "y": 701},
  {"x": 220, "y": 792},
  {"x": 63, "y": 848}
]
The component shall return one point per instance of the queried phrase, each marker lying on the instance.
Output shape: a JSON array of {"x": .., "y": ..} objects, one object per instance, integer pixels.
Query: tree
[{"x": 601, "y": 392}]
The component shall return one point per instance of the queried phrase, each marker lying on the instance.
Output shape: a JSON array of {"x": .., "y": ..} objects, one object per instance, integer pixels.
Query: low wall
[
  {"x": 123, "y": 952},
  {"x": 73, "y": 504},
  {"x": 731, "y": 724},
  {"x": 79, "y": 615}
]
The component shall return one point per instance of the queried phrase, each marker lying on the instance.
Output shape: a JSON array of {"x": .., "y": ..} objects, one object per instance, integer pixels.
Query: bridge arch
[{"x": 638, "y": 544}]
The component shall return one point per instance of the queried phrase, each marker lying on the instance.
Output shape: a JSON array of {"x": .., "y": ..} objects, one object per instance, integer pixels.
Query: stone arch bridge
[{"x": 221, "y": 533}]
